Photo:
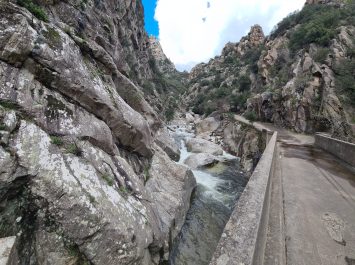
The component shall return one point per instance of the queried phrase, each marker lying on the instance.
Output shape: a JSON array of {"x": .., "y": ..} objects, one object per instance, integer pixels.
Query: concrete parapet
[
  {"x": 244, "y": 237},
  {"x": 341, "y": 149}
]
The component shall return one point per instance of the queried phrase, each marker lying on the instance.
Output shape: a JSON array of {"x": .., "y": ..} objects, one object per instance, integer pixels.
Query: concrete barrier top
[
  {"x": 239, "y": 241},
  {"x": 341, "y": 149}
]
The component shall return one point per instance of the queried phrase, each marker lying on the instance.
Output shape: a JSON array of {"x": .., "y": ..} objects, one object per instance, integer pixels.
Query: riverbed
[{"x": 218, "y": 189}]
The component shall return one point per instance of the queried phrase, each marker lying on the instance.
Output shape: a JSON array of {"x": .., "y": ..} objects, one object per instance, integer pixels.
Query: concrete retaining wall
[
  {"x": 244, "y": 237},
  {"x": 343, "y": 150}
]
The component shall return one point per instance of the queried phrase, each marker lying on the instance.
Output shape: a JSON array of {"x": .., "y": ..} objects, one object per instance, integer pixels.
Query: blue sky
[
  {"x": 151, "y": 25},
  {"x": 193, "y": 31}
]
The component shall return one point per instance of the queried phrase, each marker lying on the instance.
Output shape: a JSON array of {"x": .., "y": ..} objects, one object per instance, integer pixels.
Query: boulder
[
  {"x": 170, "y": 186},
  {"x": 200, "y": 160},
  {"x": 198, "y": 145},
  {"x": 207, "y": 125},
  {"x": 165, "y": 141}
]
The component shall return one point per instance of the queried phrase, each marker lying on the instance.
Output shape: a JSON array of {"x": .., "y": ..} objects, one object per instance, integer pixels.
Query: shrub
[
  {"x": 9, "y": 105},
  {"x": 313, "y": 32},
  {"x": 239, "y": 101},
  {"x": 321, "y": 55},
  {"x": 251, "y": 116},
  {"x": 244, "y": 83},
  {"x": 345, "y": 79},
  {"x": 301, "y": 83},
  {"x": 35, "y": 9},
  {"x": 108, "y": 179},
  {"x": 252, "y": 56},
  {"x": 74, "y": 149},
  {"x": 205, "y": 82},
  {"x": 221, "y": 92},
  {"x": 146, "y": 174},
  {"x": 56, "y": 140},
  {"x": 284, "y": 25},
  {"x": 53, "y": 37},
  {"x": 123, "y": 190},
  {"x": 169, "y": 114},
  {"x": 217, "y": 80}
]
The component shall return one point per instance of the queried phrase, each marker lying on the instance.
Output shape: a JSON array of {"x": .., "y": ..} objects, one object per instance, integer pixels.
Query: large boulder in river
[
  {"x": 200, "y": 160},
  {"x": 198, "y": 145},
  {"x": 169, "y": 184},
  {"x": 165, "y": 141}
]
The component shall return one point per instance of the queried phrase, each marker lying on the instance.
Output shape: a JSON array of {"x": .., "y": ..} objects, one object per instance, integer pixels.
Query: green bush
[
  {"x": 285, "y": 24},
  {"x": 9, "y": 105},
  {"x": 239, "y": 101},
  {"x": 319, "y": 24},
  {"x": 169, "y": 114},
  {"x": 35, "y": 9},
  {"x": 146, "y": 174},
  {"x": 74, "y": 149},
  {"x": 251, "y": 116},
  {"x": 252, "y": 56},
  {"x": 205, "y": 82},
  {"x": 217, "y": 80},
  {"x": 244, "y": 83},
  {"x": 109, "y": 180},
  {"x": 321, "y": 55},
  {"x": 222, "y": 92},
  {"x": 56, "y": 140},
  {"x": 345, "y": 79},
  {"x": 313, "y": 32}
]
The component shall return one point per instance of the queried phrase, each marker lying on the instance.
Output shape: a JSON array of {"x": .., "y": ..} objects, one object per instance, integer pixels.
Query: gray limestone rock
[
  {"x": 200, "y": 160},
  {"x": 198, "y": 145}
]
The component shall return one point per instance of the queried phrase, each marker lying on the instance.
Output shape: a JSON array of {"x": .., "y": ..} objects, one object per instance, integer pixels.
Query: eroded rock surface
[
  {"x": 198, "y": 145},
  {"x": 87, "y": 175}
]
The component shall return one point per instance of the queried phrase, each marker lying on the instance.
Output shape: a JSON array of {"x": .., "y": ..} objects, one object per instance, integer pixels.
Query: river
[{"x": 212, "y": 203}]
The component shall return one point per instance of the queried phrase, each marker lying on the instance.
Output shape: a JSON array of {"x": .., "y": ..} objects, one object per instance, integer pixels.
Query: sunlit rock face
[{"x": 86, "y": 163}]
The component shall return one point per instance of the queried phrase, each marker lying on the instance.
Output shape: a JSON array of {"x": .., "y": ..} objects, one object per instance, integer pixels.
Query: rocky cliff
[
  {"x": 87, "y": 172},
  {"x": 300, "y": 77}
]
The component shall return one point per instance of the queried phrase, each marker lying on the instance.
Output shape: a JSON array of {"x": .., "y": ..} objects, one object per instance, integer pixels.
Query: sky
[{"x": 193, "y": 31}]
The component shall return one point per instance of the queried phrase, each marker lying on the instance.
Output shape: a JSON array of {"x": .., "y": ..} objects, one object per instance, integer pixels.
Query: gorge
[{"x": 109, "y": 155}]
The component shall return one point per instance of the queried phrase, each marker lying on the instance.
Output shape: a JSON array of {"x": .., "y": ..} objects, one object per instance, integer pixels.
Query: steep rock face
[
  {"x": 84, "y": 174},
  {"x": 163, "y": 63},
  {"x": 302, "y": 92}
]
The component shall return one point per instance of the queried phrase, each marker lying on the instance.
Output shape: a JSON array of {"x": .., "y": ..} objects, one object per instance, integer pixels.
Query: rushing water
[{"x": 212, "y": 203}]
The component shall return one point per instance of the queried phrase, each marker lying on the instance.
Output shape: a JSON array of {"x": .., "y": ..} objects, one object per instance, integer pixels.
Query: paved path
[
  {"x": 312, "y": 214},
  {"x": 318, "y": 193}
]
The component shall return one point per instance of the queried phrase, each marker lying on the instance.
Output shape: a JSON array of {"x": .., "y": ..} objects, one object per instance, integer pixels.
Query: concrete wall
[
  {"x": 244, "y": 237},
  {"x": 343, "y": 150}
]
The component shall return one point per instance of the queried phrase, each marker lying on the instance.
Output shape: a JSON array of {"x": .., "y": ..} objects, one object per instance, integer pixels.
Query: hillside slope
[{"x": 300, "y": 77}]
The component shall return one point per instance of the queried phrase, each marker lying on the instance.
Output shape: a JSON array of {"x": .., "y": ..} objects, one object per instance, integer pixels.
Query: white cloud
[{"x": 190, "y": 32}]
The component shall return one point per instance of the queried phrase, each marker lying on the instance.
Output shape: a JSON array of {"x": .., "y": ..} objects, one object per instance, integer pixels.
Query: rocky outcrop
[
  {"x": 162, "y": 62},
  {"x": 309, "y": 99},
  {"x": 86, "y": 164},
  {"x": 239, "y": 139},
  {"x": 298, "y": 87},
  {"x": 207, "y": 125}
]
